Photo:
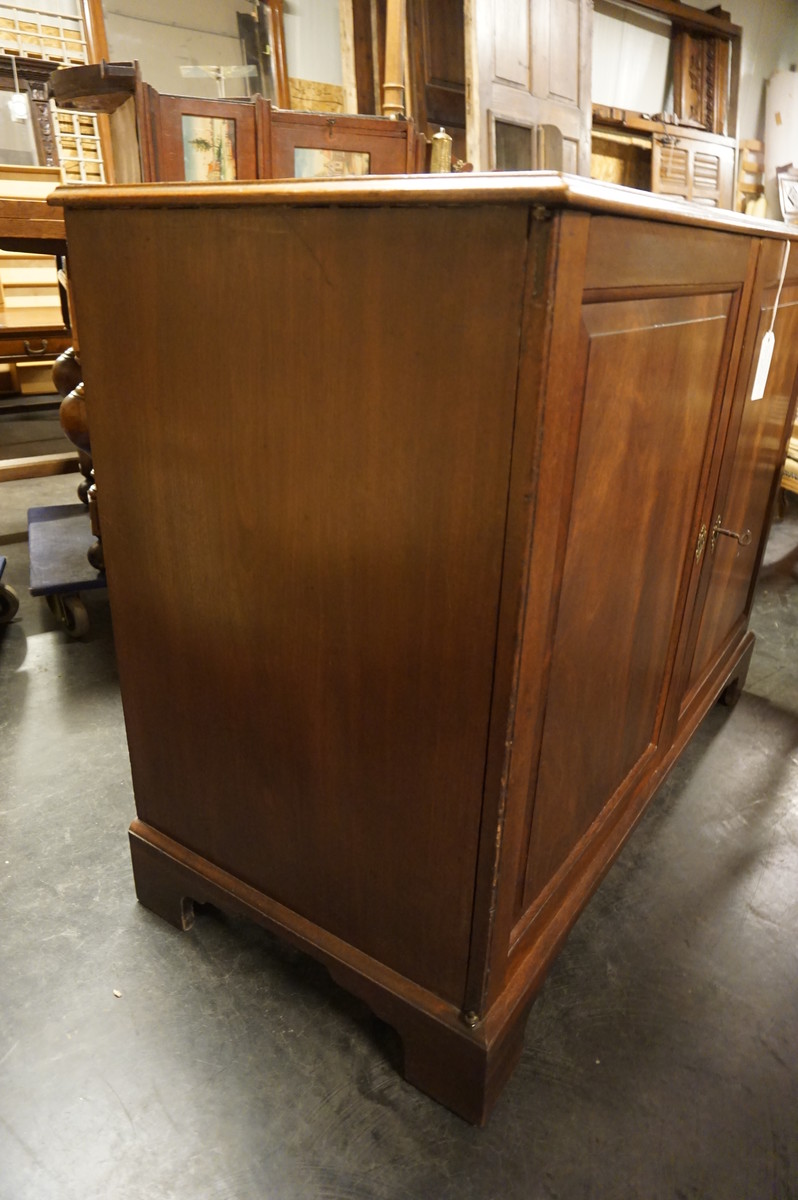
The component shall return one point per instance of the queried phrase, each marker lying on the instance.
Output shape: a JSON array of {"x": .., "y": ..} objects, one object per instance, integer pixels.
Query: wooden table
[
  {"x": 431, "y": 541},
  {"x": 32, "y": 227}
]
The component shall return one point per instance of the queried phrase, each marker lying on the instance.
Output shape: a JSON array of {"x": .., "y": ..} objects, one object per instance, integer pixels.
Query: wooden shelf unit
[{"x": 667, "y": 158}]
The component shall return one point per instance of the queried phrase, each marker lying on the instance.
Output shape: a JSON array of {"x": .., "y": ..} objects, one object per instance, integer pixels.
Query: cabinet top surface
[{"x": 547, "y": 188}]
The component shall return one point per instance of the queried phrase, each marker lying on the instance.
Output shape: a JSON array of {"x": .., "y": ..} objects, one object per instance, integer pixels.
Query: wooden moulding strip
[
  {"x": 201, "y": 881},
  {"x": 37, "y": 466},
  {"x": 443, "y": 1056},
  {"x": 522, "y": 187},
  {"x": 691, "y": 17}
]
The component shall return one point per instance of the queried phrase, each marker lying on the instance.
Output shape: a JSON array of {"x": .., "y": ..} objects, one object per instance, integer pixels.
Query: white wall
[
  {"x": 167, "y": 34},
  {"x": 312, "y": 40},
  {"x": 631, "y": 53},
  {"x": 770, "y": 43}
]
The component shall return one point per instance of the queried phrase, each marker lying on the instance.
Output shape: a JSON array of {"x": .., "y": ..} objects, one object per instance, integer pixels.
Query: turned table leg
[{"x": 67, "y": 377}]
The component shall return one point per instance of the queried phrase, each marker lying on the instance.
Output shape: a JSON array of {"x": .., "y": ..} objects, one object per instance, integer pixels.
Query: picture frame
[
  {"x": 209, "y": 148},
  {"x": 207, "y": 141}
]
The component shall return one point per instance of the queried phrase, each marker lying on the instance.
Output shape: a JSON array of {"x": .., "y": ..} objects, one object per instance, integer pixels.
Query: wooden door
[
  {"x": 748, "y": 478},
  {"x": 528, "y": 65},
  {"x": 436, "y": 69}
]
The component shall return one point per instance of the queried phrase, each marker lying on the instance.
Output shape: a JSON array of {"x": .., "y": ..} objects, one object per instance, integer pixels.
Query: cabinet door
[
  {"x": 688, "y": 169},
  {"x": 528, "y": 64},
  {"x": 749, "y": 475},
  {"x": 659, "y": 322}
]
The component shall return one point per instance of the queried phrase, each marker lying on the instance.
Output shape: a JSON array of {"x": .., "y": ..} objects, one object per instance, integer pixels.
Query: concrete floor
[
  {"x": 661, "y": 1058},
  {"x": 33, "y": 432}
]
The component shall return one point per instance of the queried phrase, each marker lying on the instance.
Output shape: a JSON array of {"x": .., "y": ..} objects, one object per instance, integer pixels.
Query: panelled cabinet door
[
  {"x": 691, "y": 169},
  {"x": 653, "y": 368},
  {"x": 670, "y": 166},
  {"x": 749, "y": 473},
  {"x": 528, "y": 66}
]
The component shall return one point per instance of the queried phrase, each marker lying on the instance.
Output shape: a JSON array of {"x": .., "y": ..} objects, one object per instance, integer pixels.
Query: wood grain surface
[{"x": 306, "y": 629}]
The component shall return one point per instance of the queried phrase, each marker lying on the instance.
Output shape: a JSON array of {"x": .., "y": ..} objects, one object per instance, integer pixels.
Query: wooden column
[{"x": 393, "y": 89}]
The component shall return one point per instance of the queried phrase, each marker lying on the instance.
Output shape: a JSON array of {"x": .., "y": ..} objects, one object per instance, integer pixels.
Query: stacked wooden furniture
[
  {"x": 690, "y": 153},
  {"x": 511, "y": 83},
  {"x": 30, "y": 226},
  {"x": 149, "y": 134},
  {"x": 750, "y": 195},
  {"x": 461, "y": 495},
  {"x": 789, "y": 475},
  {"x": 33, "y": 331},
  {"x": 671, "y": 159},
  {"x": 32, "y": 328},
  {"x": 33, "y": 43}
]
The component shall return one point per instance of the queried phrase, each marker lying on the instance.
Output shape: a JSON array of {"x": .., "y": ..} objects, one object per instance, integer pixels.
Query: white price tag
[
  {"x": 763, "y": 366},
  {"x": 769, "y": 340}
]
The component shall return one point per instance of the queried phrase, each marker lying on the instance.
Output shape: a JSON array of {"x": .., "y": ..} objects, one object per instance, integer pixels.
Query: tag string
[{"x": 784, "y": 261}]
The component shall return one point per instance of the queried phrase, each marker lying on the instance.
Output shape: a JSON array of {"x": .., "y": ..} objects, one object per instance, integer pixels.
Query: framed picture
[
  {"x": 311, "y": 163},
  {"x": 209, "y": 148},
  {"x": 200, "y": 141},
  {"x": 315, "y": 145}
]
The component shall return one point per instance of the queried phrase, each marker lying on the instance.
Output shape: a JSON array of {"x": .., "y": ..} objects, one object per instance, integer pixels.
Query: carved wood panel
[{"x": 701, "y": 79}]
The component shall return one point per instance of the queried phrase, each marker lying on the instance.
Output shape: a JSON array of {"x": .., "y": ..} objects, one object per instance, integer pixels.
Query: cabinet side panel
[
  {"x": 652, "y": 375},
  {"x": 302, "y": 423}
]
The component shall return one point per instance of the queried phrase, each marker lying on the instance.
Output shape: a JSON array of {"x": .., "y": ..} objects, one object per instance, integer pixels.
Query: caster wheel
[
  {"x": 9, "y": 603},
  {"x": 71, "y": 612}
]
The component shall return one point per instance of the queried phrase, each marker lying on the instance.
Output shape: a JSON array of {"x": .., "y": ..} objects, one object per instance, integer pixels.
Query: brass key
[{"x": 743, "y": 539}]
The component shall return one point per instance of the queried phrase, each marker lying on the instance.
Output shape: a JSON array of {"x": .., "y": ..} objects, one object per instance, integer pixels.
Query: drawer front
[{"x": 33, "y": 345}]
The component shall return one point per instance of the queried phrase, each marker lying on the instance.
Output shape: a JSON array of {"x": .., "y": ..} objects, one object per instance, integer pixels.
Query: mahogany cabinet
[
  {"x": 416, "y": 555},
  {"x": 158, "y": 137}
]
